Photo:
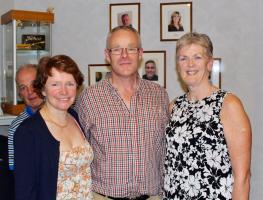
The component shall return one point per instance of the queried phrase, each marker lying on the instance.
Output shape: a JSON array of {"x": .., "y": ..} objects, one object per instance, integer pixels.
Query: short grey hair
[
  {"x": 126, "y": 28},
  {"x": 26, "y": 66}
]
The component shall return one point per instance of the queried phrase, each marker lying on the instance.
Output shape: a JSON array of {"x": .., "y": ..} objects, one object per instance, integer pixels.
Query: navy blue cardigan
[{"x": 36, "y": 160}]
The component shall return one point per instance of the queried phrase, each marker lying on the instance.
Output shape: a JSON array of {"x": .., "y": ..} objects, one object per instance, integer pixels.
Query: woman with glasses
[
  {"x": 208, "y": 136},
  {"x": 52, "y": 156},
  {"x": 175, "y": 22}
]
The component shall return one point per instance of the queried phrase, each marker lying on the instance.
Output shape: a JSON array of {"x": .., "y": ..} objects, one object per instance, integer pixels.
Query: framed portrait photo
[
  {"x": 215, "y": 76},
  {"x": 175, "y": 20},
  {"x": 127, "y": 14},
  {"x": 98, "y": 72},
  {"x": 153, "y": 67}
]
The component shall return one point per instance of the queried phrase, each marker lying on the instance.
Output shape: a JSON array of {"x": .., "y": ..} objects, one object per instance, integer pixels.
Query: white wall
[{"x": 235, "y": 28}]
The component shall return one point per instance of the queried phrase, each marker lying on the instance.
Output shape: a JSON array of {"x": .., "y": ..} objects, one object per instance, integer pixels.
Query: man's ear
[
  {"x": 107, "y": 55},
  {"x": 140, "y": 53},
  {"x": 20, "y": 95}
]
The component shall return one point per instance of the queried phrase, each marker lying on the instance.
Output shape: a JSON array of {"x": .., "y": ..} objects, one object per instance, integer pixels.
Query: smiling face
[
  {"x": 125, "y": 64},
  {"x": 60, "y": 90},
  {"x": 176, "y": 18},
  {"x": 194, "y": 65},
  {"x": 150, "y": 69}
]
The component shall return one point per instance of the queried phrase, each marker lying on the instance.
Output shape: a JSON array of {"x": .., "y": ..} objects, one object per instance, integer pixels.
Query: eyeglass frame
[
  {"x": 22, "y": 88},
  {"x": 119, "y": 50}
]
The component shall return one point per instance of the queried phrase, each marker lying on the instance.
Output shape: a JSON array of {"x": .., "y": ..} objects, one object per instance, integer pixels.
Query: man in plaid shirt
[{"x": 124, "y": 118}]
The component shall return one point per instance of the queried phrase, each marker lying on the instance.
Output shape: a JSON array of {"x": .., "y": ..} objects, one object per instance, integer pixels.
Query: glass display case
[{"x": 26, "y": 38}]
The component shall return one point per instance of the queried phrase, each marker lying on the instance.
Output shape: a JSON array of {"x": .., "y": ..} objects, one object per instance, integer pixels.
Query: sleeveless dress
[
  {"x": 197, "y": 162},
  {"x": 74, "y": 176}
]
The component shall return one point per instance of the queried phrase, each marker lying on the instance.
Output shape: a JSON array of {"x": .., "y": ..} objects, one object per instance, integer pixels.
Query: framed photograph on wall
[
  {"x": 215, "y": 75},
  {"x": 98, "y": 72},
  {"x": 175, "y": 20},
  {"x": 127, "y": 14},
  {"x": 153, "y": 67}
]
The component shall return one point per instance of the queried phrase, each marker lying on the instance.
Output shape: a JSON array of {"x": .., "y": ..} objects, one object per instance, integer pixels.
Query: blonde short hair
[{"x": 195, "y": 38}]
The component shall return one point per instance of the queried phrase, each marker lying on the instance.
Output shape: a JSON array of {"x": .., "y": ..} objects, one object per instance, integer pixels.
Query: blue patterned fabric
[{"x": 11, "y": 131}]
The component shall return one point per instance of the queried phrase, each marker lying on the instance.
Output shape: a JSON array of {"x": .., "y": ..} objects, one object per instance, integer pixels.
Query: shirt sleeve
[
  {"x": 11, "y": 131},
  {"x": 25, "y": 167}
]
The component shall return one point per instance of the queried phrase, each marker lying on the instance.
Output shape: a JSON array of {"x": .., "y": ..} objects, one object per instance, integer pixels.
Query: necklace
[{"x": 49, "y": 118}]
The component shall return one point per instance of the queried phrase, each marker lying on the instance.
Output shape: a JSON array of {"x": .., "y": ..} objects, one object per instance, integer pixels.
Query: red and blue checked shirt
[{"x": 128, "y": 144}]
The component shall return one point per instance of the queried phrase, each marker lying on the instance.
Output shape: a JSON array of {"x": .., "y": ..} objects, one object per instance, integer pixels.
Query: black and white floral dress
[{"x": 197, "y": 162}]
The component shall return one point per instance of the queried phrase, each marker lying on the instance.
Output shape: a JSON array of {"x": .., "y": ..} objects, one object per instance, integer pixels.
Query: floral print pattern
[
  {"x": 74, "y": 176},
  {"x": 197, "y": 162}
]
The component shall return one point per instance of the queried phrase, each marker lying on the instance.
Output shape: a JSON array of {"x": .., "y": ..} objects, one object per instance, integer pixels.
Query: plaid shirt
[{"x": 128, "y": 144}]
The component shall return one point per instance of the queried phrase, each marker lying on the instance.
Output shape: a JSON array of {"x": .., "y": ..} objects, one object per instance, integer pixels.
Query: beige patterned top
[{"x": 74, "y": 177}]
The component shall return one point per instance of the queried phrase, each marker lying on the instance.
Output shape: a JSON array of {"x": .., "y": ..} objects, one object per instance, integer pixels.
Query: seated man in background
[
  {"x": 25, "y": 77},
  {"x": 150, "y": 71}
]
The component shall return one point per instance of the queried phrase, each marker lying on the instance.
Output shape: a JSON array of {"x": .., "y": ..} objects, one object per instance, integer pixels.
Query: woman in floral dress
[
  {"x": 208, "y": 136},
  {"x": 52, "y": 155}
]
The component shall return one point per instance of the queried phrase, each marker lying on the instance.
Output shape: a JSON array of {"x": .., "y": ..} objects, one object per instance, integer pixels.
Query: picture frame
[
  {"x": 215, "y": 76},
  {"x": 126, "y": 14},
  {"x": 97, "y": 72},
  {"x": 175, "y": 20},
  {"x": 159, "y": 59}
]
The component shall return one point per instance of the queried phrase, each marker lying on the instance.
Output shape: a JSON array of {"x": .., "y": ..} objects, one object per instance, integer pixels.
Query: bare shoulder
[
  {"x": 233, "y": 115},
  {"x": 232, "y": 107},
  {"x": 232, "y": 104}
]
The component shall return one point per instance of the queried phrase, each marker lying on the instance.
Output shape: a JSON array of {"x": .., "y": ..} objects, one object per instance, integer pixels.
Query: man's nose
[
  {"x": 30, "y": 89},
  {"x": 124, "y": 52}
]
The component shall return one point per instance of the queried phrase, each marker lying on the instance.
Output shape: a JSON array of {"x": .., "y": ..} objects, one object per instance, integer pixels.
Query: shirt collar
[
  {"x": 107, "y": 80},
  {"x": 29, "y": 111}
]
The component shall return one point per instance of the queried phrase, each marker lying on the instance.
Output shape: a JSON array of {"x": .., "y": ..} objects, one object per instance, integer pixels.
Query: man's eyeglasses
[
  {"x": 119, "y": 51},
  {"x": 23, "y": 88}
]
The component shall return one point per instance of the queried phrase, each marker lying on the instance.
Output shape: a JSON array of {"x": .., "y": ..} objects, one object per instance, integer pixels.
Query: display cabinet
[{"x": 26, "y": 38}]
